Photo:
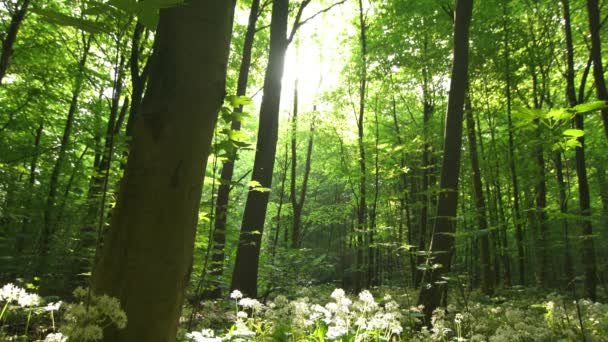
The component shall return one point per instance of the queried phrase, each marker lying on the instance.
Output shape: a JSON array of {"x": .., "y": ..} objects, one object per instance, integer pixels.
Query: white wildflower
[
  {"x": 241, "y": 314},
  {"x": 338, "y": 294},
  {"x": 335, "y": 331},
  {"x": 10, "y": 292},
  {"x": 53, "y": 306},
  {"x": 55, "y": 337},
  {"x": 250, "y": 303},
  {"x": 206, "y": 335},
  {"x": 28, "y": 299},
  {"x": 458, "y": 318},
  {"x": 236, "y": 294}
]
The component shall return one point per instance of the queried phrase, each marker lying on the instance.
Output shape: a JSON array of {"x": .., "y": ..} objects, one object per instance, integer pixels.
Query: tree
[
  {"x": 223, "y": 193},
  {"x": 147, "y": 253},
  {"x": 596, "y": 55},
  {"x": 10, "y": 37},
  {"x": 442, "y": 243},
  {"x": 245, "y": 274}
]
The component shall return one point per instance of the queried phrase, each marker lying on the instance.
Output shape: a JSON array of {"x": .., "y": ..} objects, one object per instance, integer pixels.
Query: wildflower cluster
[
  {"x": 342, "y": 318},
  {"x": 86, "y": 320}
]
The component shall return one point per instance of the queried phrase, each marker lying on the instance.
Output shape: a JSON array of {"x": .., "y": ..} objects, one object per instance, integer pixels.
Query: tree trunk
[
  {"x": 445, "y": 223},
  {"x": 147, "y": 254},
  {"x": 11, "y": 37},
  {"x": 581, "y": 171},
  {"x": 48, "y": 226},
  {"x": 297, "y": 200},
  {"x": 25, "y": 224},
  {"x": 596, "y": 56},
  {"x": 487, "y": 276},
  {"x": 245, "y": 272},
  {"x": 519, "y": 232},
  {"x": 223, "y": 193},
  {"x": 362, "y": 205}
]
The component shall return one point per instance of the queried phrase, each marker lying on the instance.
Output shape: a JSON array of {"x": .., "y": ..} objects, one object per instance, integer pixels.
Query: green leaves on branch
[
  {"x": 66, "y": 20},
  {"x": 146, "y": 11},
  {"x": 569, "y": 137}
]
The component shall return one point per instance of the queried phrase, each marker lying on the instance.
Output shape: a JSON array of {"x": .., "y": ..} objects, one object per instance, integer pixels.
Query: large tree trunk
[
  {"x": 11, "y": 37},
  {"x": 223, "y": 193},
  {"x": 147, "y": 253},
  {"x": 245, "y": 273},
  {"x": 596, "y": 56},
  {"x": 442, "y": 243},
  {"x": 487, "y": 277}
]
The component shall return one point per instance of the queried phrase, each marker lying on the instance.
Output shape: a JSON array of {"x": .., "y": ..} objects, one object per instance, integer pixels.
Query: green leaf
[
  {"x": 559, "y": 114},
  {"x": 237, "y": 101},
  {"x": 528, "y": 113},
  {"x": 66, "y": 20},
  {"x": 584, "y": 108},
  {"x": 576, "y": 133}
]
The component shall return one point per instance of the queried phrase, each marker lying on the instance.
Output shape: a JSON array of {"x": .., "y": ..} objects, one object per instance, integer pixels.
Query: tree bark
[
  {"x": 245, "y": 272},
  {"x": 442, "y": 243},
  {"x": 147, "y": 254},
  {"x": 223, "y": 193},
  {"x": 11, "y": 37},
  {"x": 581, "y": 172},
  {"x": 596, "y": 56},
  {"x": 517, "y": 219},
  {"x": 487, "y": 276}
]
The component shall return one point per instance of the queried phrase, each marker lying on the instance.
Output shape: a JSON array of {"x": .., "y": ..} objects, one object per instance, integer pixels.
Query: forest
[{"x": 303, "y": 170}]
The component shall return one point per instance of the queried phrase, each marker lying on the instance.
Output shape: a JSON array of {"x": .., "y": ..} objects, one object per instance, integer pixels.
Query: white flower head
[
  {"x": 250, "y": 303},
  {"x": 28, "y": 299},
  {"x": 10, "y": 292},
  {"x": 206, "y": 335},
  {"x": 458, "y": 318},
  {"x": 335, "y": 331},
  {"x": 53, "y": 306},
  {"x": 241, "y": 314},
  {"x": 338, "y": 294},
  {"x": 236, "y": 294},
  {"x": 55, "y": 337}
]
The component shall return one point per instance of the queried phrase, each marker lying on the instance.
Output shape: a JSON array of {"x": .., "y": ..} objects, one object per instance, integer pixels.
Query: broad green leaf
[
  {"x": 237, "y": 101},
  {"x": 574, "y": 133},
  {"x": 590, "y": 106}
]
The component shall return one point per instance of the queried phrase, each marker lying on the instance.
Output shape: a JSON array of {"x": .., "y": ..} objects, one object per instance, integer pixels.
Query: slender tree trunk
[
  {"x": 297, "y": 200},
  {"x": 596, "y": 56},
  {"x": 487, "y": 276},
  {"x": 147, "y": 254},
  {"x": 519, "y": 232},
  {"x": 223, "y": 193},
  {"x": 138, "y": 77},
  {"x": 426, "y": 165},
  {"x": 245, "y": 272},
  {"x": 11, "y": 36},
  {"x": 275, "y": 243},
  {"x": 372, "y": 279},
  {"x": 581, "y": 172},
  {"x": 49, "y": 210},
  {"x": 27, "y": 219},
  {"x": 88, "y": 241},
  {"x": 445, "y": 223},
  {"x": 362, "y": 205}
]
